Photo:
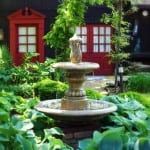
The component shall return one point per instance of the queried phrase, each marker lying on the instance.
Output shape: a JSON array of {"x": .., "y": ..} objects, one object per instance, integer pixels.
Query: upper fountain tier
[
  {"x": 76, "y": 63},
  {"x": 82, "y": 66}
]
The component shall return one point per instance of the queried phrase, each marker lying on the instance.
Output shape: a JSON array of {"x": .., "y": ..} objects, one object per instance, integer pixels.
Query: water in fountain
[{"x": 74, "y": 105}]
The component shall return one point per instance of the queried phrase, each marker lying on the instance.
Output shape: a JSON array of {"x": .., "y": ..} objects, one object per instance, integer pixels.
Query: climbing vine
[{"x": 71, "y": 14}]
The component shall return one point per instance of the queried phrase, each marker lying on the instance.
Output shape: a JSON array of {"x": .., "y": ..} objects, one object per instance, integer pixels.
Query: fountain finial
[{"x": 75, "y": 45}]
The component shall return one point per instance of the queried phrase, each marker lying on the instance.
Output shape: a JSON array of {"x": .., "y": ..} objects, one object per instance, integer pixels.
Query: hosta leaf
[
  {"x": 26, "y": 144},
  {"x": 142, "y": 144},
  {"x": 3, "y": 138},
  {"x": 44, "y": 146},
  {"x": 53, "y": 131},
  {"x": 141, "y": 114},
  {"x": 4, "y": 116},
  {"x": 2, "y": 147},
  {"x": 112, "y": 140},
  {"x": 141, "y": 126},
  {"x": 97, "y": 136},
  {"x": 87, "y": 144},
  {"x": 132, "y": 105}
]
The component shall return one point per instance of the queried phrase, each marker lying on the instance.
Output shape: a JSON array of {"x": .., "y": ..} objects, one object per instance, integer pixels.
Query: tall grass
[{"x": 139, "y": 83}]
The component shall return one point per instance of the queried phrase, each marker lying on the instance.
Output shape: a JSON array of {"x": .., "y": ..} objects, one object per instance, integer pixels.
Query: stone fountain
[{"x": 74, "y": 106}]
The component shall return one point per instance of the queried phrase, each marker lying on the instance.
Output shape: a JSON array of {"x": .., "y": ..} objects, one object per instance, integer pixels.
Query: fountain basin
[
  {"x": 82, "y": 66},
  {"x": 95, "y": 110}
]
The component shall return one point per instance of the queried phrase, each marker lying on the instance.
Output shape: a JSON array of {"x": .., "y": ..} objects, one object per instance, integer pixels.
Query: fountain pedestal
[{"x": 75, "y": 96}]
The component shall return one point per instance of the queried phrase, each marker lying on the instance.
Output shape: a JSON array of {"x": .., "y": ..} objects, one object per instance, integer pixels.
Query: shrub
[
  {"x": 25, "y": 90},
  {"x": 139, "y": 82},
  {"x": 49, "y": 89},
  {"x": 93, "y": 94},
  {"x": 142, "y": 98},
  {"x": 5, "y": 58}
]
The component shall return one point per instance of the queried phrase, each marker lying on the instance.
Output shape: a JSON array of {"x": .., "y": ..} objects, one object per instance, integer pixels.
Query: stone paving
[{"x": 98, "y": 82}]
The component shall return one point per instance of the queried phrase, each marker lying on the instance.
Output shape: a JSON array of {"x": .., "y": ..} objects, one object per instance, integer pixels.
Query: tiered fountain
[{"x": 74, "y": 106}]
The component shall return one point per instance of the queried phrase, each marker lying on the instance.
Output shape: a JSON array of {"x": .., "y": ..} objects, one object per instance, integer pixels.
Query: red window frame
[
  {"x": 89, "y": 44},
  {"x": 104, "y": 36},
  {"x": 27, "y": 35},
  {"x": 82, "y": 33}
]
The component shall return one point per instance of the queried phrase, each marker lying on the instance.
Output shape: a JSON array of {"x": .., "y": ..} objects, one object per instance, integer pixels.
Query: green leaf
[
  {"x": 87, "y": 144},
  {"x": 44, "y": 146},
  {"x": 141, "y": 114},
  {"x": 142, "y": 144},
  {"x": 2, "y": 147},
  {"x": 53, "y": 131},
  {"x": 112, "y": 140},
  {"x": 97, "y": 136},
  {"x": 25, "y": 143},
  {"x": 24, "y": 125},
  {"x": 141, "y": 126},
  {"x": 4, "y": 116},
  {"x": 3, "y": 138}
]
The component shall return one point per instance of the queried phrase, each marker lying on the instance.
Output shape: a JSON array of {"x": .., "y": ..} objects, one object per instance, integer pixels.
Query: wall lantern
[
  {"x": 1, "y": 34},
  {"x": 120, "y": 69},
  {"x": 145, "y": 13}
]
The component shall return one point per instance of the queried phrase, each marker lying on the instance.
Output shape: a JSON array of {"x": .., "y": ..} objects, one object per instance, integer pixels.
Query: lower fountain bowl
[{"x": 96, "y": 109}]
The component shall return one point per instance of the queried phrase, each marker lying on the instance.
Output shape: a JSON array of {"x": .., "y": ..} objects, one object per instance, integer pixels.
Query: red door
[
  {"x": 26, "y": 34},
  {"x": 96, "y": 45}
]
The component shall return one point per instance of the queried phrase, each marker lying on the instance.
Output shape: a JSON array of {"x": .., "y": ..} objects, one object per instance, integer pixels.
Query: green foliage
[
  {"x": 129, "y": 130},
  {"x": 142, "y": 98},
  {"x": 25, "y": 90},
  {"x": 70, "y": 14},
  {"x": 21, "y": 131},
  {"x": 139, "y": 82},
  {"x": 5, "y": 58},
  {"x": 93, "y": 94},
  {"x": 49, "y": 89},
  {"x": 28, "y": 72}
]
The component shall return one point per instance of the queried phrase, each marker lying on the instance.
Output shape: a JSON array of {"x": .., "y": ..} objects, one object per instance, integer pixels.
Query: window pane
[
  {"x": 108, "y": 48},
  {"x": 95, "y": 30},
  {"x": 31, "y": 30},
  {"x": 77, "y": 30},
  {"x": 84, "y": 30},
  {"x": 102, "y": 39},
  {"x": 84, "y": 39},
  {"x": 95, "y": 39},
  {"x": 95, "y": 48},
  {"x": 101, "y": 48},
  {"x": 22, "y": 48},
  {"x": 31, "y": 48},
  {"x": 101, "y": 30},
  {"x": 84, "y": 48},
  {"x": 31, "y": 39},
  {"x": 22, "y": 39},
  {"x": 108, "y": 40},
  {"x": 108, "y": 30},
  {"x": 22, "y": 30}
]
